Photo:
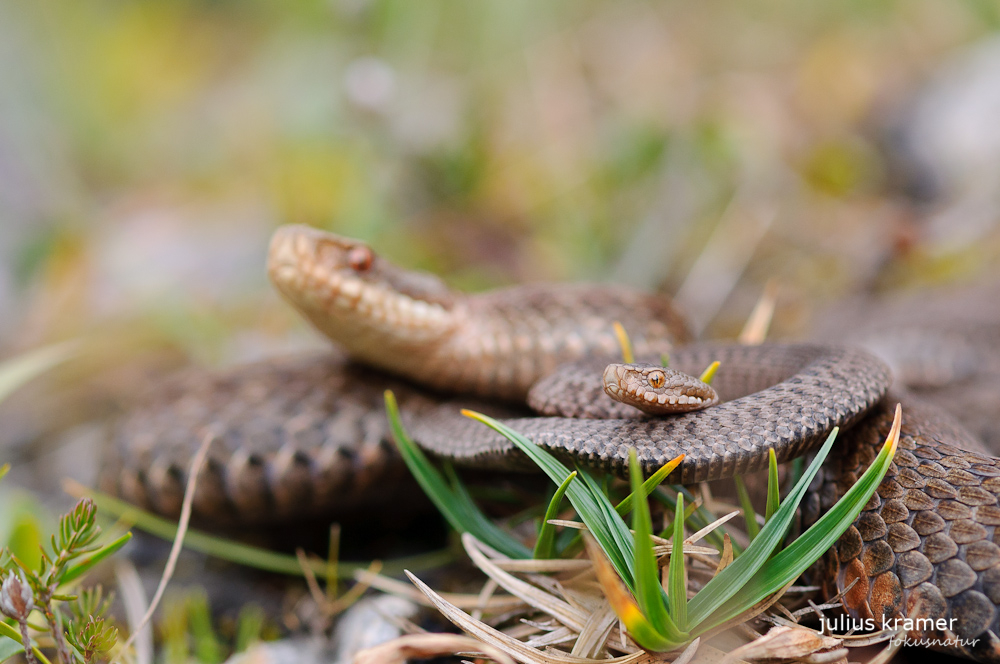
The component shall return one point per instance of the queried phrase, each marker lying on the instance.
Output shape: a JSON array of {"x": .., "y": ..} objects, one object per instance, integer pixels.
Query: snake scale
[{"x": 308, "y": 434}]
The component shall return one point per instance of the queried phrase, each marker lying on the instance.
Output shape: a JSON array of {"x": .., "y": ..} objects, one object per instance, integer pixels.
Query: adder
[{"x": 308, "y": 434}]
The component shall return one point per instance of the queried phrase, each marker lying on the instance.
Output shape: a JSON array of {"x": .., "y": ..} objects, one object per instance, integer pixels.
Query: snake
[{"x": 308, "y": 434}]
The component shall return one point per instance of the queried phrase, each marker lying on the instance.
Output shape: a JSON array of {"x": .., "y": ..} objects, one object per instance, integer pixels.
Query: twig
[{"x": 182, "y": 526}]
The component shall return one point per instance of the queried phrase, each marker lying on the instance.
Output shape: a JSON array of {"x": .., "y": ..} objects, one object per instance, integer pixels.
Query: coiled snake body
[{"x": 309, "y": 434}]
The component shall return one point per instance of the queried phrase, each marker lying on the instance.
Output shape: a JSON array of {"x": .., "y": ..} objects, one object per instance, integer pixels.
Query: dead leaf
[{"x": 783, "y": 642}]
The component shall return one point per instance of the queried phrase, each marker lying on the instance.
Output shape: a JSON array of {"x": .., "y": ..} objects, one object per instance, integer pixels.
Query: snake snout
[
  {"x": 283, "y": 258},
  {"x": 297, "y": 246},
  {"x": 657, "y": 390},
  {"x": 612, "y": 381},
  {"x": 311, "y": 267}
]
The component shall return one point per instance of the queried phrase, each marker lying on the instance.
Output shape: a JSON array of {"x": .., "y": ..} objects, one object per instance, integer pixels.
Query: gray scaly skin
[{"x": 307, "y": 434}]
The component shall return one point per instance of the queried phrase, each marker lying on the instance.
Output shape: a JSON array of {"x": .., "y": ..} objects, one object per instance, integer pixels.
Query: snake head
[
  {"x": 657, "y": 390},
  {"x": 353, "y": 295}
]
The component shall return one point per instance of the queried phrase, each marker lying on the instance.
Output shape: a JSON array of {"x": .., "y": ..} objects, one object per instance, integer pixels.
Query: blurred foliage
[
  {"x": 190, "y": 634},
  {"x": 148, "y": 148}
]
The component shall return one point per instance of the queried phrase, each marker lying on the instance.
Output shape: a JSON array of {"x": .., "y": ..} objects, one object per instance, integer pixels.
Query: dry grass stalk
[
  {"x": 571, "y": 616},
  {"x": 423, "y": 646},
  {"x": 175, "y": 550},
  {"x": 755, "y": 330},
  {"x": 787, "y": 642},
  {"x": 520, "y": 651},
  {"x": 464, "y": 601}
]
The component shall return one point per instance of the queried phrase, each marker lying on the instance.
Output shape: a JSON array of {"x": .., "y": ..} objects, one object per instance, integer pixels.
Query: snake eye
[
  {"x": 656, "y": 379},
  {"x": 360, "y": 258}
]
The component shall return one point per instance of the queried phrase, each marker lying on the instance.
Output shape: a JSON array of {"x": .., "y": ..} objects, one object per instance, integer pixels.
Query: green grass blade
[
  {"x": 798, "y": 467},
  {"x": 9, "y": 648},
  {"x": 15, "y": 636},
  {"x": 654, "y": 480},
  {"x": 206, "y": 645},
  {"x": 808, "y": 547},
  {"x": 648, "y": 489},
  {"x": 773, "y": 499},
  {"x": 17, "y": 371},
  {"x": 646, "y": 635},
  {"x": 545, "y": 544},
  {"x": 698, "y": 519},
  {"x": 245, "y": 554},
  {"x": 730, "y": 580},
  {"x": 593, "y": 507},
  {"x": 85, "y": 565},
  {"x": 478, "y": 523},
  {"x": 457, "y": 508},
  {"x": 676, "y": 586},
  {"x": 11, "y": 644},
  {"x": 4, "y": 469},
  {"x": 589, "y": 498},
  {"x": 625, "y": 506},
  {"x": 648, "y": 591},
  {"x": 749, "y": 515},
  {"x": 601, "y": 514},
  {"x": 249, "y": 626},
  {"x": 625, "y": 607}
]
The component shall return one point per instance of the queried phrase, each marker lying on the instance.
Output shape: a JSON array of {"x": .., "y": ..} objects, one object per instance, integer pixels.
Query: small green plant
[
  {"x": 74, "y": 626},
  {"x": 664, "y": 619},
  {"x": 79, "y": 633},
  {"x": 453, "y": 500},
  {"x": 659, "y": 615},
  {"x": 94, "y": 636}
]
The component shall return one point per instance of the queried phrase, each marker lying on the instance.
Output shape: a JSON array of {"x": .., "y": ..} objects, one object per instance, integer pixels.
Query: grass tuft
[
  {"x": 626, "y": 566},
  {"x": 451, "y": 500}
]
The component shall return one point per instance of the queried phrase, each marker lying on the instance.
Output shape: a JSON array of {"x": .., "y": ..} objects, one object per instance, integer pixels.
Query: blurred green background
[{"x": 148, "y": 148}]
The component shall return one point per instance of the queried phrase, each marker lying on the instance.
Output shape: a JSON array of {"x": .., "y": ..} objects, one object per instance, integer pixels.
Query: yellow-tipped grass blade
[
  {"x": 709, "y": 373},
  {"x": 626, "y": 344},
  {"x": 654, "y": 480},
  {"x": 624, "y": 606}
]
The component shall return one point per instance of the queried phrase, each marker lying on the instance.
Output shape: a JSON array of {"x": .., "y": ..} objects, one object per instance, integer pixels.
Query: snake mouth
[{"x": 656, "y": 390}]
